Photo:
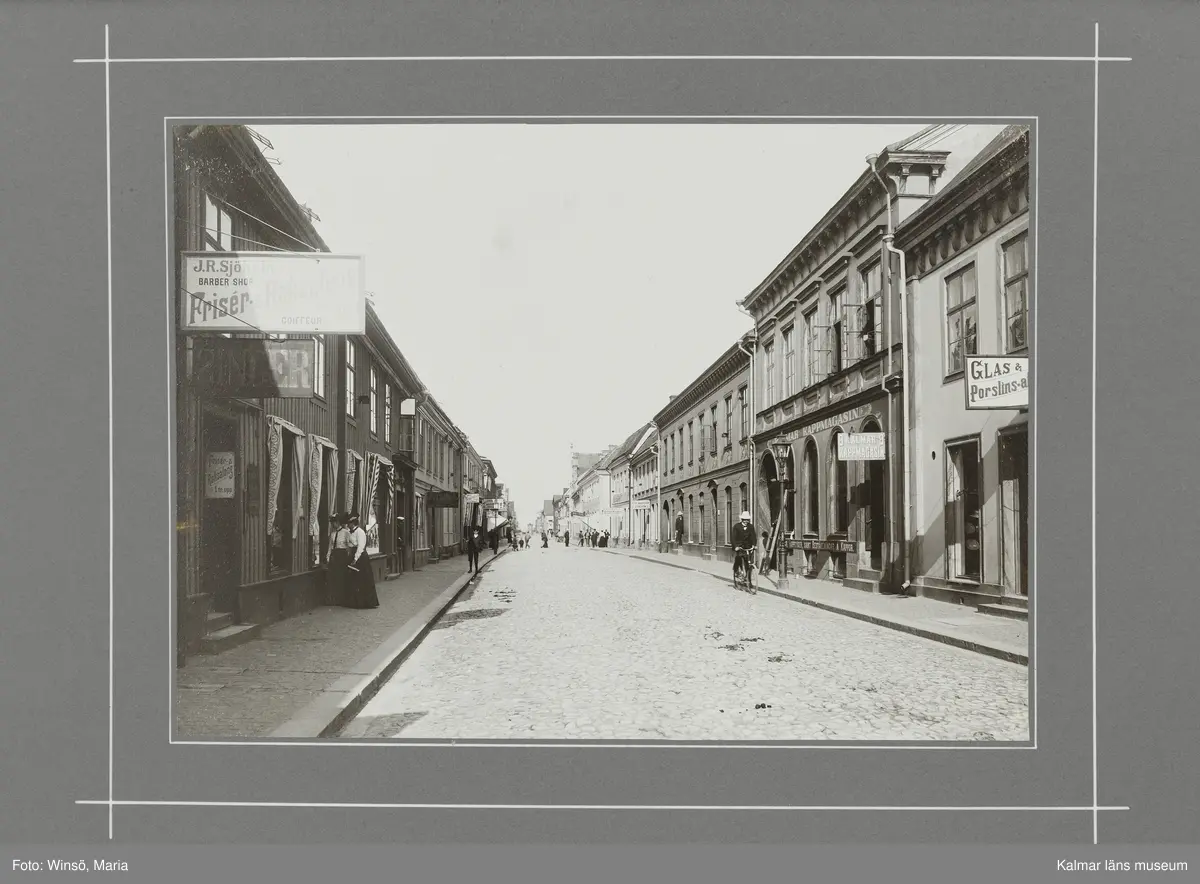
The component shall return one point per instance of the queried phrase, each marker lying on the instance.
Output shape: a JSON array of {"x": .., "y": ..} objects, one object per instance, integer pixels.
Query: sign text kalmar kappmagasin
[
  {"x": 997, "y": 382},
  {"x": 861, "y": 446},
  {"x": 274, "y": 292}
]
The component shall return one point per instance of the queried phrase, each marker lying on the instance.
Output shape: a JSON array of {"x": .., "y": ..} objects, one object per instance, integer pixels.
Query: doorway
[
  {"x": 1014, "y": 515},
  {"x": 964, "y": 539},
  {"x": 876, "y": 519},
  {"x": 220, "y": 528}
]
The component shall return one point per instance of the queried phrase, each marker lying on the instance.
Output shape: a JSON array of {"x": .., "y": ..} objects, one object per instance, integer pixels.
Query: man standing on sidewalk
[{"x": 473, "y": 544}]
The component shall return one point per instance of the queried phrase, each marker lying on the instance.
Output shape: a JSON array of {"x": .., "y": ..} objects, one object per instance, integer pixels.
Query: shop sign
[
  {"x": 273, "y": 292},
  {"x": 861, "y": 446},
  {"x": 219, "y": 475},
  {"x": 470, "y": 499},
  {"x": 997, "y": 382},
  {"x": 827, "y": 423},
  {"x": 444, "y": 499},
  {"x": 239, "y": 368},
  {"x": 809, "y": 545}
]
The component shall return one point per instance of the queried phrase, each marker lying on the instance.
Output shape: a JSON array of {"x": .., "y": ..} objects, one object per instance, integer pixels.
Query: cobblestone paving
[{"x": 554, "y": 645}]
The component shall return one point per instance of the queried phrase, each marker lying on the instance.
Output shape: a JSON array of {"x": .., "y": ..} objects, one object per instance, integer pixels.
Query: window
[
  {"x": 387, "y": 413},
  {"x": 729, "y": 420},
  {"x": 963, "y": 523},
  {"x": 374, "y": 402},
  {"x": 870, "y": 309},
  {"x": 769, "y": 374},
  {"x": 743, "y": 500},
  {"x": 837, "y": 329},
  {"x": 218, "y": 227},
  {"x": 319, "y": 366},
  {"x": 691, "y": 442},
  {"x": 350, "y": 387},
  {"x": 691, "y": 518},
  {"x": 789, "y": 362},
  {"x": 712, "y": 435},
  {"x": 1016, "y": 292},
  {"x": 812, "y": 367},
  {"x": 745, "y": 409},
  {"x": 839, "y": 487},
  {"x": 671, "y": 454},
  {"x": 962, "y": 337},
  {"x": 728, "y": 514}
]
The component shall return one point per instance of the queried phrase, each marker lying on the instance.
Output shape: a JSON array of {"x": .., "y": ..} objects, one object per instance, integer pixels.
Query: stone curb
[
  {"x": 345, "y": 698},
  {"x": 1002, "y": 653}
]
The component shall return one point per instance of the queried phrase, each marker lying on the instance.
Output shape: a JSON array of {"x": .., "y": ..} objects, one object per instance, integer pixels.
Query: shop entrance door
[
  {"x": 220, "y": 529},
  {"x": 1014, "y": 526}
]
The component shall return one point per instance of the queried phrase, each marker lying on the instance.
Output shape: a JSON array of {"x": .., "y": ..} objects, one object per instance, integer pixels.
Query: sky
[{"x": 553, "y": 285}]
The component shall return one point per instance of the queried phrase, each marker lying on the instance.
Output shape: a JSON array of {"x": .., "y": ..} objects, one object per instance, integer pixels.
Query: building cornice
[
  {"x": 731, "y": 363},
  {"x": 848, "y": 212}
]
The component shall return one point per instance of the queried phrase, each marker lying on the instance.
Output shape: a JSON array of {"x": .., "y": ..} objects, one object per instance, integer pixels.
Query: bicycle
[{"x": 744, "y": 577}]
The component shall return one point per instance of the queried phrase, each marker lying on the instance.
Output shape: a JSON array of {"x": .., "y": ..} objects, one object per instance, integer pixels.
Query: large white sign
[
  {"x": 861, "y": 446},
  {"x": 219, "y": 474},
  {"x": 276, "y": 292},
  {"x": 997, "y": 382}
]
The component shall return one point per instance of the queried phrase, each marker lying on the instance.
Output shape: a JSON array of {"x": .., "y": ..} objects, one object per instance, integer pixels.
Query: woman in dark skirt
[
  {"x": 340, "y": 546},
  {"x": 361, "y": 580}
]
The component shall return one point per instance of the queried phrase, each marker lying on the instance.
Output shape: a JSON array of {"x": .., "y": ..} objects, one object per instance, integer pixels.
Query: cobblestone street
[{"x": 569, "y": 644}]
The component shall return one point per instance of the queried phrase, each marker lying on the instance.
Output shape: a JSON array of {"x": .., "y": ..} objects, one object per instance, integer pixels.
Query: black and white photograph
[{"x": 577, "y": 431}]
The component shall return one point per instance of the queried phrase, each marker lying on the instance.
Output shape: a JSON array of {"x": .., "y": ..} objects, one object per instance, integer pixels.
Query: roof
[
  {"x": 1010, "y": 136},
  {"x": 630, "y": 443}
]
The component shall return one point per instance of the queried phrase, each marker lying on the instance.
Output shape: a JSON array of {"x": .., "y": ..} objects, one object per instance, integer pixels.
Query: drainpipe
[
  {"x": 753, "y": 414},
  {"x": 888, "y": 244}
]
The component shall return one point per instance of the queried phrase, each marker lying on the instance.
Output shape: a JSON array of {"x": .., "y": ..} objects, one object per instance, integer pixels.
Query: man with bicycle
[{"x": 744, "y": 545}]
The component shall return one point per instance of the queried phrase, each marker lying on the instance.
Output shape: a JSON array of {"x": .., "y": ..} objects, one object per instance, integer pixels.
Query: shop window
[
  {"x": 789, "y": 361},
  {"x": 387, "y": 413},
  {"x": 837, "y": 329},
  {"x": 964, "y": 541},
  {"x": 868, "y": 314},
  {"x": 374, "y": 402},
  {"x": 351, "y": 388},
  {"x": 812, "y": 520},
  {"x": 962, "y": 318},
  {"x": 839, "y": 487},
  {"x": 319, "y": 366},
  {"x": 1016, "y": 293},
  {"x": 728, "y": 514},
  {"x": 769, "y": 374}
]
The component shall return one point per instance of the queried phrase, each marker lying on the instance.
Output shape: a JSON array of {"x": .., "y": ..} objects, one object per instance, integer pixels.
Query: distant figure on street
[
  {"x": 362, "y": 578},
  {"x": 338, "y": 558},
  {"x": 494, "y": 540},
  {"x": 545, "y": 540},
  {"x": 679, "y": 530},
  {"x": 743, "y": 539},
  {"x": 474, "y": 542},
  {"x": 566, "y": 538}
]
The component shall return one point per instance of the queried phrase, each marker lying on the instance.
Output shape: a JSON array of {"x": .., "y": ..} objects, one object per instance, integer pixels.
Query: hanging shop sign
[
  {"x": 443, "y": 499},
  {"x": 253, "y": 369},
  {"x": 275, "y": 292},
  {"x": 470, "y": 499},
  {"x": 808, "y": 545},
  {"x": 219, "y": 475},
  {"x": 997, "y": 382},
  {"x": 861, "y": 446}
]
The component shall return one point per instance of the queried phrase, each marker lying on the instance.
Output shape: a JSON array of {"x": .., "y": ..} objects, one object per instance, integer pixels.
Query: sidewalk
[
  {"x": 305, "y": 676},
  {"x": 957, "y": 625}
]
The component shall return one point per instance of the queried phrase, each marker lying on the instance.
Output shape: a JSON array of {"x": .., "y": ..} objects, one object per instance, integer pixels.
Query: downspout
[
  {"x": 889, "y": 245},
  {"x": 753, "y": 413}
]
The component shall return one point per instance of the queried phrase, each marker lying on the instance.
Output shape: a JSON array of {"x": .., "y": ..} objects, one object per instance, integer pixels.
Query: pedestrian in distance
[
  {"x": 679, "y": 530},
  {"x": 545, "y": 540},
  {"x": 338, "y": 559},
  {"x": 474, "y": 542},
  {"x": 744, "y": 543},
  {"x": 362, "y": 578},
  {"x": 494, "y": 541}
]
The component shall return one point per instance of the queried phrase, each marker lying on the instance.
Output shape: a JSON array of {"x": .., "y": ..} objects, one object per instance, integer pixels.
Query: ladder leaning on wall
[{"x": 776, "y": 535}]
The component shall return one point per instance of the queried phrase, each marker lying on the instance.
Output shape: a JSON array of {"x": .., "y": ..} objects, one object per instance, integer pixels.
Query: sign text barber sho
[{"x": 274, "y": 292}]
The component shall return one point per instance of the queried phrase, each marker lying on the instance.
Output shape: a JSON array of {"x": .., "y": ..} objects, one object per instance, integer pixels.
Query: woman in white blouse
[
  {"x": 340, "y": 546},
  {"x": 362, "y": 578}
]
